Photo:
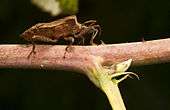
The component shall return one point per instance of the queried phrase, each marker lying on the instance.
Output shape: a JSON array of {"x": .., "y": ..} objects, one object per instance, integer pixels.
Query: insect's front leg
[
  {"x": 93, "y": 36},
  {"x": 68, "y": 48},
  {"x": 96, "y": 31},
  {"x": 90, "y": 23}
]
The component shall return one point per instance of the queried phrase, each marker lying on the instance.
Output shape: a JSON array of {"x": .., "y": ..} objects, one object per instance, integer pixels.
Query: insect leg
[
  {"x": 98, "y": 28},
  {"x": 90, "y": 23},
  {"x": 93, "y": 36},
  {"x": 82, "y": 40},
  {"x": 68, "y": 48},
  {"x": 33, "y": 49},
  {"x": 43, "y": 39},
  {"x": 71, "y": 40},
  {"x": 40, "y": 39}
]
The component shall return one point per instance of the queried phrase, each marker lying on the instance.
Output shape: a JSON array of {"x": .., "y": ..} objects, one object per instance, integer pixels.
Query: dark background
[{"x": 121, "y": 21}]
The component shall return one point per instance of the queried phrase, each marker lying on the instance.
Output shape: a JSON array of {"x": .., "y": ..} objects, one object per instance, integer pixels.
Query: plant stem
[
  {"x": 113, "y": 94},
  {"x": 104, "y": 77},
  {"x": 51, "y": 56}
]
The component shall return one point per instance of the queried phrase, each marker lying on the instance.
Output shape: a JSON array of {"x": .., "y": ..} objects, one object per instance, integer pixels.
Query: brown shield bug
[{"x": 67, "y": 28}]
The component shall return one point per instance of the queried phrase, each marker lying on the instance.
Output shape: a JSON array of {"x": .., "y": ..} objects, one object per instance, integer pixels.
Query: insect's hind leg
[
  {"x": 32, "y": 51},
  {"x": 41, "y": 39}
]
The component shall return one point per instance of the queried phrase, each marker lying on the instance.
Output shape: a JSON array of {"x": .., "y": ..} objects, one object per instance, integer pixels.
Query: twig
[{"x": 51, "y": 56}]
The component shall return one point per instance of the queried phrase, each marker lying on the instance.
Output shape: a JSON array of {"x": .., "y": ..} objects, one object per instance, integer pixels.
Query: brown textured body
[
  {"x": 67, "y": 28},
  {"x": 51, "y": 32}
]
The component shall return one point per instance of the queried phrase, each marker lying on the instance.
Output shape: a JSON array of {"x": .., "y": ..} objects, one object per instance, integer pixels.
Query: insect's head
[{"x": 93, "y": 26}]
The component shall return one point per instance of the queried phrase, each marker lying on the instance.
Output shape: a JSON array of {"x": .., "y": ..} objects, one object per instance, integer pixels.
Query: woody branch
[{"x": 51, "y": 56}]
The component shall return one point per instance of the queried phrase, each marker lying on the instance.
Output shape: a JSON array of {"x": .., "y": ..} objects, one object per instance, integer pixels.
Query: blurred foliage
[
  {"x": 56, "y": 7},
  {"x": 121, "y": 21},
  {"x": 51, "y": 6},
  {"x": 69, "y": 6}
]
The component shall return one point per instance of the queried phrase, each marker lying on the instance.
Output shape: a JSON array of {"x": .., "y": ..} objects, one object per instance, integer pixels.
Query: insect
[{"x": 67, "y": 28}]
